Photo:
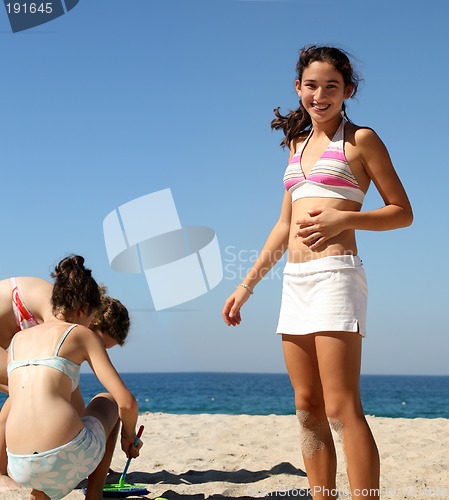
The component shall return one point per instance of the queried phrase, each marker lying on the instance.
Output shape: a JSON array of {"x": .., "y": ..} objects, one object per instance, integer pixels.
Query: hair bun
[
  {"x": 74, "y": 286},
  {"x": 68, "y": 265}
]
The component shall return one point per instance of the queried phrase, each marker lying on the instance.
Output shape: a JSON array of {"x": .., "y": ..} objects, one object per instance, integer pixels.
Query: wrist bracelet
[{"x": 246, "y": 287}]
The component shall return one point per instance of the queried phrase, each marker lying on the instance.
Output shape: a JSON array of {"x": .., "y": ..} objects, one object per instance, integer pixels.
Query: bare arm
[
  {"x": 98, "y": 359},
  {"x": 274, "y": 248},
  {"x": 397, "y": 211}
]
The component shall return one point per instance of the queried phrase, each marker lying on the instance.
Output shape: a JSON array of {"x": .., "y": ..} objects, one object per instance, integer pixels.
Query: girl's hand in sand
[
  {"x": 231, "y": 309},
  {"x": 321, "y": 225}
]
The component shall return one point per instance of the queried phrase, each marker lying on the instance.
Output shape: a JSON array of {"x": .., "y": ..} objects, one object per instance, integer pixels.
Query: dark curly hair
[
  {"x": 74, "y": 287},
  {"x": 296, "y": 122},
  {"x": 112, "y": 318}
]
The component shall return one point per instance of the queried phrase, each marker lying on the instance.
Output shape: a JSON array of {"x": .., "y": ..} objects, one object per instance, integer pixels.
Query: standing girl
[{"x": 322, "y": 319}]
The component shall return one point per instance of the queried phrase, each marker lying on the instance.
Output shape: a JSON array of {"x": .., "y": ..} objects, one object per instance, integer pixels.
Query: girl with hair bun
[
  {"x": 331, "y": 164},
  {"x": 43, "y": 372},
  {"x": 26, "y": 302}
]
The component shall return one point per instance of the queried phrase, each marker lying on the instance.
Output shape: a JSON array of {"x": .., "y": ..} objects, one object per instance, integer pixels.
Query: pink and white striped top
[{"x": 330, "y": 177}]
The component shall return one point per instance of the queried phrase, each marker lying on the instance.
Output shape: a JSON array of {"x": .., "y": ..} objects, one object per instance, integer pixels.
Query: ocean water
[{"x": 264, "y": 394}]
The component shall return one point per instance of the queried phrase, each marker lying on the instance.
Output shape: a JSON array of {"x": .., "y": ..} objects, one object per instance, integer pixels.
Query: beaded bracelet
[{"x": 246, "y": 287}]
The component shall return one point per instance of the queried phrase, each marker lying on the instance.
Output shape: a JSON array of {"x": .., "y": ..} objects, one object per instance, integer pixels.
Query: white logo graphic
[{"x": 145, "y": 235}]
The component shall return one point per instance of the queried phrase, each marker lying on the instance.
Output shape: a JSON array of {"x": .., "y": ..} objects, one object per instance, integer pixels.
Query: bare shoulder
[
  {"x": 82, "y": 330},
  {"x": 81, "y": 343},
  {"x": 32, "y": 281},
  {"x": 295, "y": 144},
  {"x": 34, "y": 288},
  {"x": 362, "y": 136},
  {"x": 79, "y": 336},
  {"x": 85, "y": 334}
]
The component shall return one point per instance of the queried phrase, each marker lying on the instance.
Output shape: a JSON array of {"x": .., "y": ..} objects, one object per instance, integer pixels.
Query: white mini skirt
[{"x": 324, "y": 295}]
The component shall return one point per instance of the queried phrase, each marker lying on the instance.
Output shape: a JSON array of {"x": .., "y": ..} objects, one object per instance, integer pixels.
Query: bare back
[
  {"x": 41, "y": 416},
  {"x": 35, "y": 293}
]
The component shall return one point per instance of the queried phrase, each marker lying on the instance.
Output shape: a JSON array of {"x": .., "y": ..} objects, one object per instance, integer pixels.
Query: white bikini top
[{"x": 64, "y": 365}]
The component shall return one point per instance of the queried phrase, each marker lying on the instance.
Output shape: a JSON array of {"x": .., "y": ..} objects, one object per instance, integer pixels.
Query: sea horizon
[
  {"x": 234, "y": 393},
  {"x": 407, "y": 396},
  {"x": 271, "y": 373}
]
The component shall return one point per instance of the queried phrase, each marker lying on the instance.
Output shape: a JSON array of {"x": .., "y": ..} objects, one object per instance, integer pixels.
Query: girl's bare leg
[
  {"x": 105, "y": 409},
  {"x": 6, "y": 483},
  {"x": 325, "y": 372},
  {"x": 39, "y": 495},
  {"x": 3, "y": 457},
  {"x": 317, "y": 445},
  {"x": 339, "y": 361}
]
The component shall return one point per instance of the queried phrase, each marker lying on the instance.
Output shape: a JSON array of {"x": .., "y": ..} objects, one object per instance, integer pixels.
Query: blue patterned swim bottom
[{"x": 57, "y": 472}]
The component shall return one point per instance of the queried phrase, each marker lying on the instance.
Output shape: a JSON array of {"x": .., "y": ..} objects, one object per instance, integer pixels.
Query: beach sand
[{"x": 225, "y": 456}]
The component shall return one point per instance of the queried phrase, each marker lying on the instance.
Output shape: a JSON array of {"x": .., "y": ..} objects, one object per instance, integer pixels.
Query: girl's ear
[
  {"x": 84, "y": 308},
  {"x": 298, "y": 88},
  {"x": 349, "y": 90}
]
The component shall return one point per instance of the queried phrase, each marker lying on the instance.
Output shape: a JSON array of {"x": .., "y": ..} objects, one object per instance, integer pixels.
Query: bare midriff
[{"x": 342, "y": 244}]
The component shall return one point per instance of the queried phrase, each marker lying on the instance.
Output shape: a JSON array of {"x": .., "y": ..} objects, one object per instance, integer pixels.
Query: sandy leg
[{"x": 8, "y": 484}]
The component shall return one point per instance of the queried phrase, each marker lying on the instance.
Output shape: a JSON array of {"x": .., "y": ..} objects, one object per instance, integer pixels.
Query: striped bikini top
[
  {"x": 330, "y": 177},
  {"x": 64, "y": 365}
]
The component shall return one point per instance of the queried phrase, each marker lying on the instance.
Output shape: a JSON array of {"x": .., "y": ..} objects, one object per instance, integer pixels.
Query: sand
[{"x": 225, "y": 456}]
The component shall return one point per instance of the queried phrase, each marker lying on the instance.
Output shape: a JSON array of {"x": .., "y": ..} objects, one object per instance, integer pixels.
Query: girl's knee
[
  {"x": 314, "y": 432},
  {"x": 105, "y": 409},
  {"x": 104, "y": 396},
  {"x": 342, "y": 411},
  {"x": 309, "y": 403},
  {"x": 103, "y": 400}
]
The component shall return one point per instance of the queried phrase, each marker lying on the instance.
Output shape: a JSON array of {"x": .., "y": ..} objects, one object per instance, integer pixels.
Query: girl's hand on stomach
[{"x": 321, "y": 224}]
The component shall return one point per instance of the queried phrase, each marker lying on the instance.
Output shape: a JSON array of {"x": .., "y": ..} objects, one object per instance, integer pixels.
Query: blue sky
[{"x": 121, "y": 98}]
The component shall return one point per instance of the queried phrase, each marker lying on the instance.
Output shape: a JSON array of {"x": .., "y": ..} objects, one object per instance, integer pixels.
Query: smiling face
[{"x": 322, "y": 91}]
